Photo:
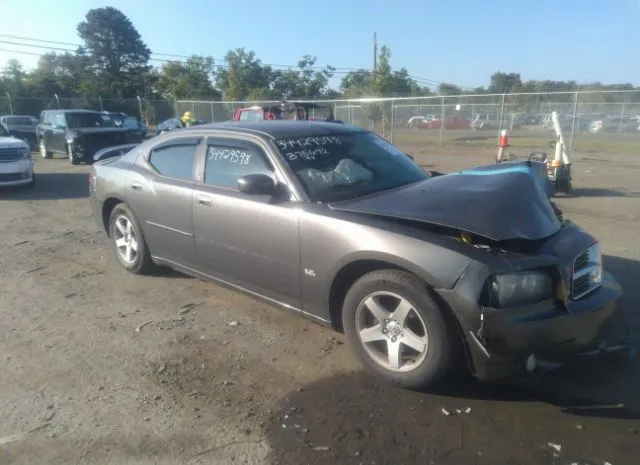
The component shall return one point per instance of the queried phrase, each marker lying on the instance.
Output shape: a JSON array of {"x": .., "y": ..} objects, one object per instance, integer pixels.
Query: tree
[
  {"x": 188, "y": 80},
  {"x": 118, "y": 56},
  {"x": 505, "y": 83},
  {"x": 305, "y": 83},
  {"x": 242, "y": 74},
  {"x": 12, "y": 78}
]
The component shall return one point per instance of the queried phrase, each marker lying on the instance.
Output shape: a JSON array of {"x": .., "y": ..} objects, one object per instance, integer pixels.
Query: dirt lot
[{"x": 99, "y": 366}]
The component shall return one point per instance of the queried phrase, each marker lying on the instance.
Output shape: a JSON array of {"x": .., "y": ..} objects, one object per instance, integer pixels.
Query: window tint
[
  {"x": 174, "y": 161},
  {"x": 225, "y": 164}
]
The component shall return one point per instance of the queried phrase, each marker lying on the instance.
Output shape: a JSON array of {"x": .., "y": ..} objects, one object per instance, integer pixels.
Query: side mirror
[{"x": 257, "y": 184}]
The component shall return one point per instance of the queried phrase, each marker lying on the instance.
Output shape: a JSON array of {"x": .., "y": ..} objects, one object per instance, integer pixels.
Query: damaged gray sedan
[{"x": 335, "y": 223}]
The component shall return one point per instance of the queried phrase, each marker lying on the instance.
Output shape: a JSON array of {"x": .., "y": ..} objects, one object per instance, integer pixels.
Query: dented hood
[{"x": 499, "y": 202}]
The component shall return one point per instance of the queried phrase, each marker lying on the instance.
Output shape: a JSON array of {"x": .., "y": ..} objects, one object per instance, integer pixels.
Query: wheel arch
[
  {"x": 107, "y": 207},
  {"x": 354, "y": 269}
]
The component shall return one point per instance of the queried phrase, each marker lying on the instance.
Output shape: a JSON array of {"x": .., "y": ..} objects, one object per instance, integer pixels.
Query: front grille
[
  {"x": 11, "y": 155},
  {"x": 587, "y": 272},
  {"x": 10, "y": 177}
]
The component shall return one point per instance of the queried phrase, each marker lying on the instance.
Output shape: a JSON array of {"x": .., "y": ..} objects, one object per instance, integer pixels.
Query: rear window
[{"x": 20, "y": 121}]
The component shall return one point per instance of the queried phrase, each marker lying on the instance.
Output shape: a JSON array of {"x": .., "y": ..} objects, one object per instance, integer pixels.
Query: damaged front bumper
[{"x": 508, "y": 343}]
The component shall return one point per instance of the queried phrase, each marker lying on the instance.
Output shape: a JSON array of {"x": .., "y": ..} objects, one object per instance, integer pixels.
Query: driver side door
[{"x": 250, "y": 241}]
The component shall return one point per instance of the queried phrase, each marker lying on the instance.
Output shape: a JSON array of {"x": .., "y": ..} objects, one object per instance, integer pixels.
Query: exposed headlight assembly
[{"x": 518, "y": 288}]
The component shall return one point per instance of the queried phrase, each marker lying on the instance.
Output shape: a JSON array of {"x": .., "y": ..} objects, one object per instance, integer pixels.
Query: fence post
[
  {"x": 573, "y": 122},
  {"x": 101, "y": 105},
  {"x": 393, "y": 106},
  {"x": 10, "y": 103},
  {"x": 442, "y": 117},
  {"x": 501, "y": 115},
  {"x": 175, "y": 106},
  {"x": 140, "y": 106},
  {"x": 213, "y": 115},
  {"x": 621, "y": 119},
  {"x": 57, "y": 100}
]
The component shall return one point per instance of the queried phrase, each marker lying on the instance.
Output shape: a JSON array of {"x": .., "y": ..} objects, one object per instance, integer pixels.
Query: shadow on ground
[
  {"x": 352, "y": 418},
  {"x": 601, "y": 192},
  {"x": 51, "y": 186},
  {"x": 592, "y": 410}
]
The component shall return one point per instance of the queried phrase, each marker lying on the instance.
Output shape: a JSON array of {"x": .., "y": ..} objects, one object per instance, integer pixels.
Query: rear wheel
[
  {"x": 129, "y": 244},
  {"x": 72, "y": 156},
  {"x": 396, "y": 329}
]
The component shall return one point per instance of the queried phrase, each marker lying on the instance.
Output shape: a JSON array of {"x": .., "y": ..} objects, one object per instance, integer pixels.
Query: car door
[
  {"x": 57, "y": 138},
  {"x": 251, "y": 241},
  {"x": 160, "y": 191}
]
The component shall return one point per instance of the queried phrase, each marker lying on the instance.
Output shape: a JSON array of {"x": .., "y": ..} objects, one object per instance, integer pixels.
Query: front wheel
[
  {"x": 71, "y": 154},
  {"x": 396, "y": 329},
  {"x": 128, "y": 242},
  {"x": 44, "y": 153}
]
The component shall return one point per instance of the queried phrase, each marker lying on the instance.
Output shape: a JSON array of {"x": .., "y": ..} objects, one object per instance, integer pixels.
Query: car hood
[
  {"x": 90, "y": 131},
  {"x": 21, "y": 128},
  {"x": 499, "y": 202},
  {"x": 11, "y": 143}
]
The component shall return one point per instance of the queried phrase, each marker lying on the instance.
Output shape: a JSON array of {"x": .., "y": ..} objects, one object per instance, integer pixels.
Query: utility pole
[{"x": 375, "y": 55}]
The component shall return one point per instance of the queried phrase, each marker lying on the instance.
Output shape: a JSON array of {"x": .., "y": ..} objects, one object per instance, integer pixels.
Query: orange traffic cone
[{"x": 503, "y": 143}]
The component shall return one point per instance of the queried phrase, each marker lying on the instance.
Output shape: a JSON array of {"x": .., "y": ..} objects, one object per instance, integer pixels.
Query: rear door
[{"x": 160, "y": 191}]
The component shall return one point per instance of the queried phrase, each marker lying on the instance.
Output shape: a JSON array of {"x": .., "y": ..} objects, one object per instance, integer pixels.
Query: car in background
[
  {"x": 21, "y": 127},
  {"x": 16, "y": 163},
  {"x": 423, "y": 122},
  {"x": 79, "y": 134},
  {"x": 297, "y": 111},
  {"x": 111, "y": 152},
  {"x": 135, "y": 125},
  {"x": 614, "y": 124},
  {"x": 420, "y": 272},
  {"x": 172, "y": 124}
]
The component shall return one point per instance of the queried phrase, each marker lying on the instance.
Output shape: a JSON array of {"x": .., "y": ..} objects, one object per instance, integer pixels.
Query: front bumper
[
  {"x": 17, "y": 173},
  {"x": 510, "y": 343}
]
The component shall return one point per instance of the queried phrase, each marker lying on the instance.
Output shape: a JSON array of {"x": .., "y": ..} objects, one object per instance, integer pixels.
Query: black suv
[{"x": 79, "y": 134}]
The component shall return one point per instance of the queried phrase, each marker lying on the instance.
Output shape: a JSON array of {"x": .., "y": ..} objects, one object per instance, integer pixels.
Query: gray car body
[{"x": 303, "y": 255}]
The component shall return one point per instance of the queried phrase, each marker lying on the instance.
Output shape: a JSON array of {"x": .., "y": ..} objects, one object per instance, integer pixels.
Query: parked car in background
[
  {"x": 16, "y": 163},
  {"x": 424, "y": 122},
  {"x": 457, "y": 122},
  {"x": 415, "y": 269},
  {"x": 135, "y": 125},
  {"x": 614, "y": 124},
  {"x": 172, "y": 124},
  {"x": 21, "y": 127},
  {"x": 79, "y": 134}
]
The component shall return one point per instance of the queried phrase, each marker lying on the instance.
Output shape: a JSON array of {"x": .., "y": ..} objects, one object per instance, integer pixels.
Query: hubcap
[
  {"x": 392, "y": 332},
  {"x": 125, "y": 239}
]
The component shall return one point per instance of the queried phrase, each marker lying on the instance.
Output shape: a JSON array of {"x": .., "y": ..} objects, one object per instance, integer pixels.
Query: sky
[{"x": 461, "y": 42}]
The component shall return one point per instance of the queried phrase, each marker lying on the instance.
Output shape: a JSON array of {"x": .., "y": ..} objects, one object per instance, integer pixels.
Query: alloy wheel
[{"x": 125, "y": 239}]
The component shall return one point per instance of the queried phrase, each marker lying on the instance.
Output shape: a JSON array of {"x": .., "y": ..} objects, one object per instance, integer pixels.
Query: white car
[{"x": 16, "y": 164}]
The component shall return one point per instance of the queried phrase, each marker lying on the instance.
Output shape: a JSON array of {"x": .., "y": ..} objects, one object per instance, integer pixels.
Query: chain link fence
[{"x": 589, "y": 120}]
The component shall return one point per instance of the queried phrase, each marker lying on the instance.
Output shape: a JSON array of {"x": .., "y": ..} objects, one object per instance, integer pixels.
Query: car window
[
  {"x": 174, "y": 161},
  {"x": 59, "y": 120},
  {"x": 225, "y": 164}
]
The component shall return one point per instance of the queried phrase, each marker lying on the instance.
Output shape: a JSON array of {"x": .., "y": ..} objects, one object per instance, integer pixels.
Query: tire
[
  {"x": 72, "y": 158},
  {"x": 423, "y": 325},
  {"x": 44, "y": 153},
  {"x": 136, "y": 260}
]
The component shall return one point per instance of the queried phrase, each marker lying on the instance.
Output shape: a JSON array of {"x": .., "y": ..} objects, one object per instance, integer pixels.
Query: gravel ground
[{"x": 100, "y": 366}]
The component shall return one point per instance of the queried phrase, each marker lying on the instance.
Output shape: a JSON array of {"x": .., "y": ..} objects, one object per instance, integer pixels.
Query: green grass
[{"x": 586, "y": 144}]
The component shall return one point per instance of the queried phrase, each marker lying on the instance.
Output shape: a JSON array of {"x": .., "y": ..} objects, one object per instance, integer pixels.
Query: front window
[
  {"x": 20, "y": 121},
  {"x": 345, "y": 166},
  {"x": 88, "y": 120}
]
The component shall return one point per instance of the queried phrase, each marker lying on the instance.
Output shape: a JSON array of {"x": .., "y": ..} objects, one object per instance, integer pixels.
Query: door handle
[
  {"x": 206, "y": 201},
  {"x": 136, "y": 186}
]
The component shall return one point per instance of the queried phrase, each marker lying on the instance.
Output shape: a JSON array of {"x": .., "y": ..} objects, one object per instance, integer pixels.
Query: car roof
[
  {"x": 278, "y": 129},
  {"x": 74, "y": 110}
]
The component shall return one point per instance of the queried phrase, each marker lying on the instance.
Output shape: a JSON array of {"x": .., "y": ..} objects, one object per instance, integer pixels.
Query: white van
[{"x": 16, "y": 164}]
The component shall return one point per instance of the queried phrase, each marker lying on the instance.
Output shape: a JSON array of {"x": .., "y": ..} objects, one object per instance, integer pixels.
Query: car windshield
[
  {"x": 20, "y": 121},
  {"x": 88, "y": 120},
  {"x": 339, "y": 167}
]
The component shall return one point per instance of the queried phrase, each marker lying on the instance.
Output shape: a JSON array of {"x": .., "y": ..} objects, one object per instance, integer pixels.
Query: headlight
[
  {"x": 26, "y": 153},
  {"x": 518, "y": 288}
]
